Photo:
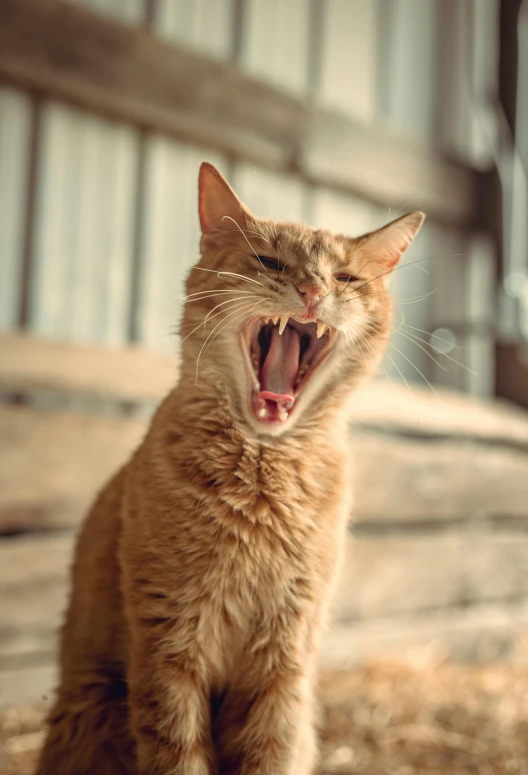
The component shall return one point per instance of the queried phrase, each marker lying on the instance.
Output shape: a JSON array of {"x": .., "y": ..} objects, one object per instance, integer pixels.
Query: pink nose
[{"x": 312, "y": 294}]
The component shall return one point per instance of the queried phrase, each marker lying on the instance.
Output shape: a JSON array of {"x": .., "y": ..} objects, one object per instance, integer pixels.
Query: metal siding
[
  {"x": 171, "y": 236},
  {"x": 344, "y": 214},
  {"x": 349, "y": 54},
  {"x": 409, "y": 67},
  {"x": 275, "y": 42},
  {"x": 15, "y": 118},
  {"x": 84, "y": 229},
  {"x": 269, "y": 194},
  {"x": 206, "y": 25}
]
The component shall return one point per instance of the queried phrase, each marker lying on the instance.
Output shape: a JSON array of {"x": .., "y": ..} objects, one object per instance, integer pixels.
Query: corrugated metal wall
[{"x": 112, "y": 223}]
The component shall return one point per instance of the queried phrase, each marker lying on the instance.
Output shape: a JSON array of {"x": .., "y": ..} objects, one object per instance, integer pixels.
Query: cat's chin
[{"x": 281, "y": 356}]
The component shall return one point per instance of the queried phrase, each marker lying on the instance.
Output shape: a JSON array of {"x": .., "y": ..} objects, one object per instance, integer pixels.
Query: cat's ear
[
  {"x": 219, "y": 207},
  {"x": 390, "y": 243}
]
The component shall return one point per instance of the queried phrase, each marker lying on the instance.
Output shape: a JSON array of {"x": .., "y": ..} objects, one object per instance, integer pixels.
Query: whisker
[
  {"x": 429, "y": 333},
  {"x": 223, "y": 273},
  {"x": 418, "y": 298},
  {"x": 443, "y": 355},
  {"x": 215, "y": 290},
  {"x": 415, "y": 367},
  {"x": 248, "y": 242},
  {"x": 362, "y": 353},
  {"x": 396, "y": 301},
  {"x": 213, "y": 316},
  {"x": 374, "y": 353},
  {"x": 214, "y": 295},
  {"x": 229, "y": 315},
  {"x": 387, "y": 355},
  {"x": 408, "y": 336},
  {"x": 249, "y": 313},
  {"x": 223, "y": 303},
  {"x": 390, "y": 271}
]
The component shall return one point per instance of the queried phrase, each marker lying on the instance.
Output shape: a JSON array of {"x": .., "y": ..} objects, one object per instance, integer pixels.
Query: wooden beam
[
  {"x": 30, "y": 364},
  {"x": 45, "y": 486},
  {"x": 67, "y": 52},
  {"x": 134, "y": 375}
]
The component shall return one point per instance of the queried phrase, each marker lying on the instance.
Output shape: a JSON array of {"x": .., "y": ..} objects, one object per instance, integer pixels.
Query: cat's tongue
[{"x": 279, "y": 370}]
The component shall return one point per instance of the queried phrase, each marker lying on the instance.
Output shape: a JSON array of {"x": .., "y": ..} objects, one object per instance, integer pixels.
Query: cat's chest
[{"x": 269, "y": 534}]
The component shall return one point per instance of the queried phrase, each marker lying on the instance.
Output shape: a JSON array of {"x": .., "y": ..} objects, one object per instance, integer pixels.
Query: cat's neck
[{"x": 206, "y": 409}]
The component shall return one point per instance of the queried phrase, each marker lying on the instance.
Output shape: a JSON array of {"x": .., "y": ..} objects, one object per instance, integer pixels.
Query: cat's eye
[
  {"x": 269, "y": 263},
  {"x": 346, "y": 278}
]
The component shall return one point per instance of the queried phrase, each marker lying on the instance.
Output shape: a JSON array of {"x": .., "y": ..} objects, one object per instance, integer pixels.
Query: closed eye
[
  {"x": 346, "y": 278},
  {"x": 269, "y": 263}
]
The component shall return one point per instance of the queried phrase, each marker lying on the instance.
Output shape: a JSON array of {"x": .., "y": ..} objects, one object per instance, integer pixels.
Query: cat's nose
[{"x": 311, "y": 293}]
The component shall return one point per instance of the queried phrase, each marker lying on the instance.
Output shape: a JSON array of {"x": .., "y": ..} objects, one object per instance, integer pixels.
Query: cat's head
[{"x": 285, "y": 317}]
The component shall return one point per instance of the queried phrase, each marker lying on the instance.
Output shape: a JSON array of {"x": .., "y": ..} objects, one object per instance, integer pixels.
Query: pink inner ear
[{"x": 219, "y": 207}]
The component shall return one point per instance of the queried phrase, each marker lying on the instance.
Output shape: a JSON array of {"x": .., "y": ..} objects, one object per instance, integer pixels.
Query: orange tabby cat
[{"x": 204, "y": 570}]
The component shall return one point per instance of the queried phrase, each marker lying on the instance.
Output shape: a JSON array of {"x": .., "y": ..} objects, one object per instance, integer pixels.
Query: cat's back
[{"x": 95, "y": 622}]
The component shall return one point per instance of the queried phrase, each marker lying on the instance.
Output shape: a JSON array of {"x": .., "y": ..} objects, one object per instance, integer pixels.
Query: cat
[{"x": 203, "y": 572}]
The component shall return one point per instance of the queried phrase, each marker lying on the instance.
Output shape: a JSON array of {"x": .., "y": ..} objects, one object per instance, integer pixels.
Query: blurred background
[{"x": 341, "y": 114}]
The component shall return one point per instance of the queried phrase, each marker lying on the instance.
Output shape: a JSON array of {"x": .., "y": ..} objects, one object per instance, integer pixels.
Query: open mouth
[{"x": 282, "y": 354}]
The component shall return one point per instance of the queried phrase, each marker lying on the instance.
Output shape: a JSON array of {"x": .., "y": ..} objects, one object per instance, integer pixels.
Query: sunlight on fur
[{"x": 204, "y": 570}]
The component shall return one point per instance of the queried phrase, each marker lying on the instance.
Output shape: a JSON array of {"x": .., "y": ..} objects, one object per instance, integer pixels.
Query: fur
[{"x": 204, "y": 570}]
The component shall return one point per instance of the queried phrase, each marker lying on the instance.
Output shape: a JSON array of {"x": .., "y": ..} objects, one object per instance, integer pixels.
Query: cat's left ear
[
  {"x": 218, "y": 206},
  {"x": 391, "y": 242}
]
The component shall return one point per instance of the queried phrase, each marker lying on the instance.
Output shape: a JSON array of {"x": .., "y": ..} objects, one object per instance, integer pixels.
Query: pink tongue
[{"x": 281, "y": 365}]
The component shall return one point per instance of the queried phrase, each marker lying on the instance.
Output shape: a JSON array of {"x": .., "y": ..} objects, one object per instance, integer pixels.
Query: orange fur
[{"x": 203, "y": 572}]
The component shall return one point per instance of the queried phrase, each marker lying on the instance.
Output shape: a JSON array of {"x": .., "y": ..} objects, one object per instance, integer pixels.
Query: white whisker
[
  {"x": 216, "y": 290},
  {"x": 229, "y": 315},
  {"x": 415, "y": 367},
  {"x": 414, "y": 337},
  {"x": 203, "y": 323},
  {"x": 248, "y": 242},
  {"x": 223, "y": 273},
  {"x": 407, "y": 336},
  {"x": 229, "y": 301}
]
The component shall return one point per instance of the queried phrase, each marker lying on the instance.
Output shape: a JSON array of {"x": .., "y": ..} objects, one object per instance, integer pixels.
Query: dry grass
[{"x": 384, "y": 719}]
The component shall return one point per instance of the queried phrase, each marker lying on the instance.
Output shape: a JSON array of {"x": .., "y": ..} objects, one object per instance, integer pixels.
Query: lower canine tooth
[
  {"x": 283, "y": 323},
  {"x": 262, "y": 412},
  {"x": 283, "y": 415},
  {"x": 321, "y": 328}
]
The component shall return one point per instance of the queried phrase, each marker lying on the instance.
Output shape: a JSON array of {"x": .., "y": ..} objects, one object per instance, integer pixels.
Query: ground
[{"x": 385, "y": 718}]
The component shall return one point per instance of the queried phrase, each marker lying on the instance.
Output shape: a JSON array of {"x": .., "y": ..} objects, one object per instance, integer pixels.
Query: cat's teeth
[
  {"x": 262, "y": 412},
  {"x": 282, "y": 414},
  {"x": 275, "y": 320},
  {"x": 321, "y": 328},
  {"x": 283, "y": 323}
]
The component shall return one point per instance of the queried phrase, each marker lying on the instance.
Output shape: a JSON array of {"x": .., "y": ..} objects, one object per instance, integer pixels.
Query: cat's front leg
[
  {"x": 170, "y": 710},
  {"x": 268, "y": 721}
]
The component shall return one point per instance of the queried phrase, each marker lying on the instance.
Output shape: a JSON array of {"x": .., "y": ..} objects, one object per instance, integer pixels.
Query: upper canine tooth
[
  {"x": 321, "y": 328},
  {"x": 275, "y": 320},
  {"x": 283, "y": 323}
]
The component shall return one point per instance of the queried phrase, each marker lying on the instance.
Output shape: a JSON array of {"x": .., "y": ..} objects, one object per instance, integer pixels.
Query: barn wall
[{"x": 102, "y": 253}]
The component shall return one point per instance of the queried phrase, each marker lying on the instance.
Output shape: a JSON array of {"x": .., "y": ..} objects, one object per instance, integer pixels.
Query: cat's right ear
[{"x": 218, "y": 206}]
